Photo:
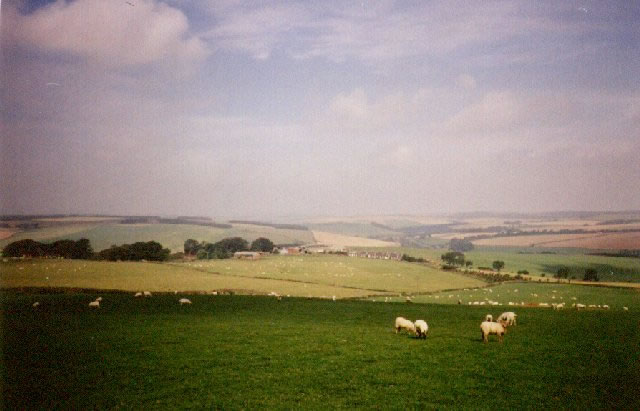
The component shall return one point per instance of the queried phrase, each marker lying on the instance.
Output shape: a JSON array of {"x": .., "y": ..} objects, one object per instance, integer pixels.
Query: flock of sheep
[{"x": 488, "y": 327}]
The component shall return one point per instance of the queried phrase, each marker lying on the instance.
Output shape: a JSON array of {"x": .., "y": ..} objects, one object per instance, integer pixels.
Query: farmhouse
[{"x": 246, "y": 255}]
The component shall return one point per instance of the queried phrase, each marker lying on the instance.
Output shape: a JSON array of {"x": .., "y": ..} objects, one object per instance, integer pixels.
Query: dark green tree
[
  {"x": 453, "y": 258},
  {"x": 562, "y": 272},
  {"x": 590, "y": 274},
  {"x": 461, "y": 245},
  {"x": 498, "y": 265},
  {"x": 191, "y": 247},
  {"x": 232, "y": 244},
  {"x": 262, "y": 244}
]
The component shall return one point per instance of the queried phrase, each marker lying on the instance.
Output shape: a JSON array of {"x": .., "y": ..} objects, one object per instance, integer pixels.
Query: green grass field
[
  {"x": 617, "y": 269},
  {"x": 305, "y": 276},
  {"x": 236, "y": 352},
  {"x": 171, "y": 236}
]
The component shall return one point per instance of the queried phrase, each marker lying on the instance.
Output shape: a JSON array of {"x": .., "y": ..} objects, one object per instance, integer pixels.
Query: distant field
[
  {"x": 48, "y": 233},
  {"x": 171, "y": 236},
  {"x": 617, "y": 241},
  {"x": 349, "y": 241},
  {"x": 609, "y": 268},
  {"x": 6, "y": 233},
  {"x": 535, "y": 293},
  {"x": 237, "y": 352},
  {"x": 362, "y": 229},
  {"x": 314, "y": 276}
]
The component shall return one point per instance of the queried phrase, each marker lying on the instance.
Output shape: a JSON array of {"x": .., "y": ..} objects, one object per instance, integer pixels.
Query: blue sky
[{"x": 267, "y": 109}]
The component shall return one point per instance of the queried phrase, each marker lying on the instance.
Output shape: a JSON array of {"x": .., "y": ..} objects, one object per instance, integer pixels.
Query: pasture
[
  {"x": 305, "y": 276},
  {"x": 237, "y": 352},
  {"x": 529, "y": 293}
]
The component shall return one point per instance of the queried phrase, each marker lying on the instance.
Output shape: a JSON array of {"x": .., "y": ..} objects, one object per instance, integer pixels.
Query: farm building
[
  {"x": 376, "y": 255},
  {"x": 247, "y": 255}
]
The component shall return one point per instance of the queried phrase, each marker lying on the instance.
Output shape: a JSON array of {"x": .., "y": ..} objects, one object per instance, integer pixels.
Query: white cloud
[{"x": 108, "y": 32}]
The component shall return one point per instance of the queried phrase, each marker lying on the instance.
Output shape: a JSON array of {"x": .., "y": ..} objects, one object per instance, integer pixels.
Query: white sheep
[
  {"x": 147, "y": 293},
  {"x": 184, "y": 301},
  {"x": 507, "y": 318},
  {"x": 489, "y": 318},
  {"x": 403, "y": 323},
  {"x": 625, "y": 308},
  {"x": 489, "y": 328},
  {"x": 579, "y": 306},
  {"x": 99, "y": 299},
  {"x": 421, "y": 329},
  {"x": 94, "y": 304},
  {"x": 606, "y": 307},
  {"x": 36, "y": 304},
  {"x": 138, "y": 294}
]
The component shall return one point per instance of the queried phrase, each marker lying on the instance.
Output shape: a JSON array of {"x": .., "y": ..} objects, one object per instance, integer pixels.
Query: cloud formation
[
  {"x": 107, "y": 32},
  {"x": 318, "y": 107}
]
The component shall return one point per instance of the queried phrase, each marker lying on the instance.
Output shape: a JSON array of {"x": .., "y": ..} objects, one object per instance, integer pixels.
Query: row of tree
[
  {"x": 225, "y": 247},
  {"x": 148, "y": 251},
  {"x": 457, "y": 259},
  {"x": 80, "y": 249}
]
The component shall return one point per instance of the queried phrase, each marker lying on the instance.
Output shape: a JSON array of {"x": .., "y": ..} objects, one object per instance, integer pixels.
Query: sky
[{"x": 299, "y": 108}]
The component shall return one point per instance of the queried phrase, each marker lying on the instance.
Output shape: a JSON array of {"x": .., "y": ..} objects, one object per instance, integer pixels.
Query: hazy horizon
[{"x": 271, "y": 109}]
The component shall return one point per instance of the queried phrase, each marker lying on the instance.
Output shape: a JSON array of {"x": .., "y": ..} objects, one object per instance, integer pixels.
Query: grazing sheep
[
  {"x": 403, "y": 323},
  {"x": 421, "y": 329},
  {"x": 507, "y": 318},
  {"x": 489, "y": 318},
  {"x": 147, "y": 293},
  {"x": 94, "y": 304},
  {"x": 184, "y": 301},
  {"x": 579, "y": 306},
  {"x": 606, "y": 307},
  {"x": 36, "y": 304},
  {"x": 489, "y": 328},
  {"x": 138, "y": 294},
  {"x": 625, "y": 308},
  {"x": 99, "y": 299}
]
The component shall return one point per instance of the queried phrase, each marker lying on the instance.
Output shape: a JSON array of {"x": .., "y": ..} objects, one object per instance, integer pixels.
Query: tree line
[{"x": 82, "y": 250}]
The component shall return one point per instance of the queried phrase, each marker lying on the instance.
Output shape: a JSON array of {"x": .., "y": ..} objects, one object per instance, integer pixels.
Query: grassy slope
[
  {"x": 306, "y": 276},
  {"x": 252, "y": 352},
  {"x": 171, "y": 236},
  {"x": 385, "y": 275}
]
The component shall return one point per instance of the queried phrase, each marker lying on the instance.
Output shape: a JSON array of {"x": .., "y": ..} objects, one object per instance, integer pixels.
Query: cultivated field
[
  {"x": 349, "y": 241},
  {"x": 306, "y": 276},
  {"x": 237, "y": 352},
  {"x": 601, "y": 241},
  {"x": 6, "y": 233}
]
